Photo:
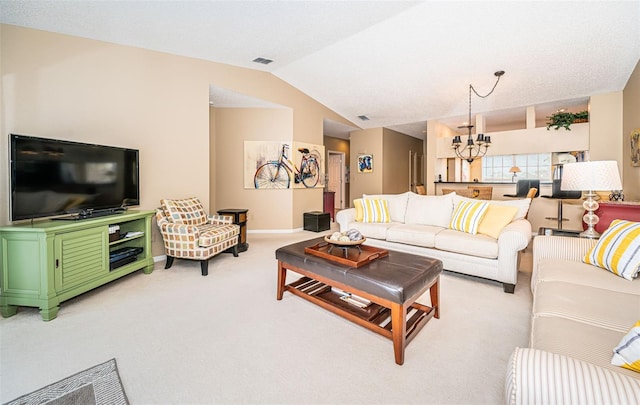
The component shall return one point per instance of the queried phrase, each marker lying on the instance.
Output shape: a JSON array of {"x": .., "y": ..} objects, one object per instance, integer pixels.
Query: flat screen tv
[{"x": 52, "y": 177}]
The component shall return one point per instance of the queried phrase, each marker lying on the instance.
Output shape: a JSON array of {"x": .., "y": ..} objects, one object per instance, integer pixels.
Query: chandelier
[{"x": 472, "y": 150}]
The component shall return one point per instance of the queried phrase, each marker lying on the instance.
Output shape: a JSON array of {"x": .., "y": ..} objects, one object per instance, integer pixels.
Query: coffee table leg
[
  {"x": 434, "y": 291},
  {"x": 282, "y": 277},
  {"x": 398, "y": 331}
]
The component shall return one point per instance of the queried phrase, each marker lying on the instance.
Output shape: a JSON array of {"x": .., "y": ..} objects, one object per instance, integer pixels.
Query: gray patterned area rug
[{"x": 95, "y": 386}]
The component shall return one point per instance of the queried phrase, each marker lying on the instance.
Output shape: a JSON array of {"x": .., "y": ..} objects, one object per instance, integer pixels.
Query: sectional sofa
[
  {"x": 421, "y": 224},
  {"x": 581, "y": 312}
]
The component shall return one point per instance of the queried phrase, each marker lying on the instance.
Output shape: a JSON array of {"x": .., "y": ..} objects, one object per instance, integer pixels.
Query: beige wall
[
  {"x": 366, "y": 141},
  {"x": 233, "y": 126},
  {"x": 437, "y": 133},
  {"x": 390, "y": 150},
  {"x": 90, "y": 91},
  {"x": 631, "y": 121},
  {"x": 395, "y": 160},
  {"x": 605, "y": 127}
]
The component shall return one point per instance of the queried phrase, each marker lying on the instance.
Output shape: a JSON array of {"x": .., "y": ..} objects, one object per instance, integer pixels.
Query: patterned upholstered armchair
[{"x": 189, "y": 233}]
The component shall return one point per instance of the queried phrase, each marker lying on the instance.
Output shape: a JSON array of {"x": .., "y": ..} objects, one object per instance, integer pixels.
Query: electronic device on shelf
[
  {"x": 122, "y": 256},
  {"x": 51, "y": 177}
]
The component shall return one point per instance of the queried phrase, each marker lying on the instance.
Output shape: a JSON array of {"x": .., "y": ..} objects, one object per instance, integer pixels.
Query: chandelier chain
[
  {"x": 499, "y": 75},
  {"x": 472, "y": 150}
]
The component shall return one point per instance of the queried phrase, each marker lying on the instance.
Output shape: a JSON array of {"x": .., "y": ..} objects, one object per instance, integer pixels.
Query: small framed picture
[
  {"x": 365, "y": 163},
  {"x": 635, "y": 148}
]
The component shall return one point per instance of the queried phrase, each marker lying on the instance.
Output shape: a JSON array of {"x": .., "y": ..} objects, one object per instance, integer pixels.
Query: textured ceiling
[{"x": 400, "y": 63}]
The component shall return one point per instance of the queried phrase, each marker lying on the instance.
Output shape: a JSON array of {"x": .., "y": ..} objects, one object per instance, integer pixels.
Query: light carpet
[{"x": 181, "y": 338}]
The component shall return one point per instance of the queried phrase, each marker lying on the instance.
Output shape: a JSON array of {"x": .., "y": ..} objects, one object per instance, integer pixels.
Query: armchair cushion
[
  {"x": 211, "y": 234},
  {"x": 188, "y": 211}
]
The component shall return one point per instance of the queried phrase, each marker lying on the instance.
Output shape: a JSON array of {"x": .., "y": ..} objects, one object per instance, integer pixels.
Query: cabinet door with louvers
[{"x": 80, "y": 257}]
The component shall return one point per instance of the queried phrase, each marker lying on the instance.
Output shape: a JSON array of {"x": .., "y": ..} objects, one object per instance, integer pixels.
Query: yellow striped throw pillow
[
  {"x": 375, "y": 210},
  {"x": 467, "y": 216},
  {"x": 618, "y": 249},
  {"x": 627, "y": 353},
  {"x": 359, "y": 210}
]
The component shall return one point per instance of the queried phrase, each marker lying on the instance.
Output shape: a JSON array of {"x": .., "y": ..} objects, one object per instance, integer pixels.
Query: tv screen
[{"x": 52, "y": 177}]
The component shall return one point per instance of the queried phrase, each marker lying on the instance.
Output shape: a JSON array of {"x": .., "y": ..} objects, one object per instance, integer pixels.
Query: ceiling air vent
[
  {"x": 363, "y": 117},
  {"x": 264, "y": 61}
]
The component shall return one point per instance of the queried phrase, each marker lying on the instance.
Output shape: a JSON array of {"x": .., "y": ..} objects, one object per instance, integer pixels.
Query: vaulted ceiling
[{"x": 400, "y": 63}]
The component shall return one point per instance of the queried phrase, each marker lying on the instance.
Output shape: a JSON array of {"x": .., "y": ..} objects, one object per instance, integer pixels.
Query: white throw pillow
[{"x": 429, "y": 210}]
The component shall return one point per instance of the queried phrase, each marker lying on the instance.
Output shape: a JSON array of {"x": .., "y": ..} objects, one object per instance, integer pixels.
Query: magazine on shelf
[{"x": 350, "y": 298}]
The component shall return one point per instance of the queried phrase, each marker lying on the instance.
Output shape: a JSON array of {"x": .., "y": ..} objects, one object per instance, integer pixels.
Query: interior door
[{"x": 336, "y": 178}]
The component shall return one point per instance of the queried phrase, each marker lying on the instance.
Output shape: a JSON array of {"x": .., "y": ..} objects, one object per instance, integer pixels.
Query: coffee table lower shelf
[{"x": 379, "y": 317}]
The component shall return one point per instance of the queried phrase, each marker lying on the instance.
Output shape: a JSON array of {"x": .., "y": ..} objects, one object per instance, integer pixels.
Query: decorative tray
[
  {"x": 353, "y": 256},
  {"x": 350, "y": 243}
]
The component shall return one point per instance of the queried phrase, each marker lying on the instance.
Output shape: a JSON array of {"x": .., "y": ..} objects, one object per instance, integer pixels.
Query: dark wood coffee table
[{"x": 392, "y": 283}]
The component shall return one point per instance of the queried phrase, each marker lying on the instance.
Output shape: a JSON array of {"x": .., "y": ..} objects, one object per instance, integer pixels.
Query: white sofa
[
  {"x": 580, "y": 314},
  {"x": 420, "y": 225}
]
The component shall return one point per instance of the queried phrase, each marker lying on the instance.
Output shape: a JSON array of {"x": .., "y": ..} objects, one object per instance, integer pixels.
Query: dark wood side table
[
  {"x": 240, "y": 218},
  {"x": 328, "y": 203}
]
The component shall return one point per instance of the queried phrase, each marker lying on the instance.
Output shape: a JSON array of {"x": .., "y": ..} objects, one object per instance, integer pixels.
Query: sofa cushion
[
  {"x": 397, "y": 204},
  {"x": 466, "y": 243},
  {"x": 495, "y": 219},
  {"x": 467, "y": 216},
  {"x": 373, "y": 230},
  {"x": 587, "y": 304},
  {"x": 618, "y": 249},
  {"x": 627, "y": 353},
  {"x": 583, "y": 341},
  {"x": 188, "y": 211},
  {"x": 550, "y": 269},
  {"x": 374, "y": 210},
  {"x": 433, "y": 210},
  {"x": 412, "y": 234},
  {"x": 521, "y": 204}
]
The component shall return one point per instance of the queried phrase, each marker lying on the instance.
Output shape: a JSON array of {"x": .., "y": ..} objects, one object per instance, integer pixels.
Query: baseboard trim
[
  {"x": 160, "y": 258},
  {"x": 275, "y": 230}
]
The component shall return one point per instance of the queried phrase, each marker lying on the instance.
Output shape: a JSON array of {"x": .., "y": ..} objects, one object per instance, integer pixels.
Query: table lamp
[
  {"x": 590, "y": 177},
  {"x": 514, "y": 170}
]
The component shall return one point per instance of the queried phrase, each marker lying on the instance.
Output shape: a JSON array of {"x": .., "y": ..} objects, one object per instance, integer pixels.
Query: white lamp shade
[{"x": 598, "y": 175}]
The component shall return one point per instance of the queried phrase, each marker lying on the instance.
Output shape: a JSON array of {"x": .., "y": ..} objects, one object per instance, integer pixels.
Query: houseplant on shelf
[{"x": 564, "y": 119}]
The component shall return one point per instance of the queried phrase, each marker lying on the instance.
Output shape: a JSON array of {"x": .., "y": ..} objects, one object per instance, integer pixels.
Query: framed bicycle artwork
[{"x": 283, "y": 165}]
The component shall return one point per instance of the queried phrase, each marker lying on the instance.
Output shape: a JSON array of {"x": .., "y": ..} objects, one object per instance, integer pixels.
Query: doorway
[{"x": 336, "y": 182}]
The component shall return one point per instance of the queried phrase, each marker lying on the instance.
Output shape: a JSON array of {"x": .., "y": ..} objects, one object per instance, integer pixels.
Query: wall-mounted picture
[
  {"x": 365, "y": 163},
  {"x": 635, "y": 148},
  {"x": 283, "y": 165}
]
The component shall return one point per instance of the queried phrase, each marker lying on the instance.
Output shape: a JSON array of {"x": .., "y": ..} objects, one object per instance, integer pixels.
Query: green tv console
[{"x": 44, "y": 263}]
